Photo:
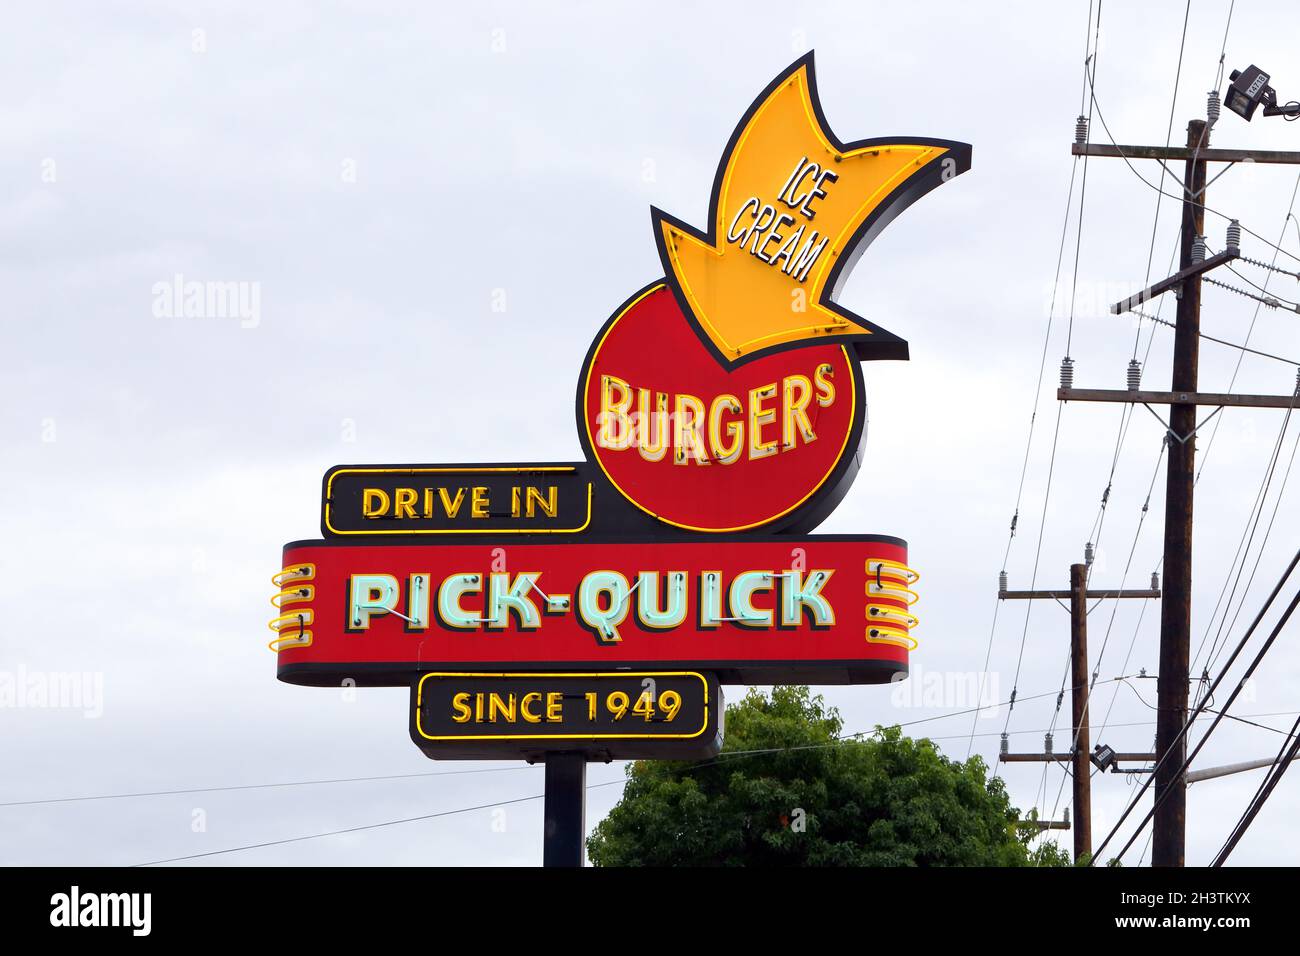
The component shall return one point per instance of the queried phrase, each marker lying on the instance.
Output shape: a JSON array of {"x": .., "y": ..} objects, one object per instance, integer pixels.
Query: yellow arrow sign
[{"x": 792, "y": 209}]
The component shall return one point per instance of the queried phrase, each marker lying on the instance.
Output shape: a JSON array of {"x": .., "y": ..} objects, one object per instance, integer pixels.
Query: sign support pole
[{"x": 565, "y": 810}]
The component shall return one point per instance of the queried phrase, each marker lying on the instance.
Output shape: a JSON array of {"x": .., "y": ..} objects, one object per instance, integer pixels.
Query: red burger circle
[{"x": 769, "y": 444}]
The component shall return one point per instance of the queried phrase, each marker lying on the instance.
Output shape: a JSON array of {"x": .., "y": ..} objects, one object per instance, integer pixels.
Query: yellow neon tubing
[
  {"x": 884, "y": 634},
  {"x": 297, "y": 640},
  {"x": 894, "y": 592},
  {"x": 292, "y": 595},
  {"x": 295, "y": 572},
  {"x": 300, "y": 618},
  {"x": 910, "y": 574},
  {"x": 893, "y": 614}
]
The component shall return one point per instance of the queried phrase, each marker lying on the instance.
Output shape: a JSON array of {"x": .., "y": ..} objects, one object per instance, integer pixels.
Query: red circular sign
[{"x": 707, "y": 449}]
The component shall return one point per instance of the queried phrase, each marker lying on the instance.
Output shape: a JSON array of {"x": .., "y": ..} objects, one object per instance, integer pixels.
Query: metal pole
[
  {"x": 1169, "y": 831},
  {"x": 1079, "y": 709},
  {"x": 565, "y": 809},
  {"x": 1210, "y": 773}
]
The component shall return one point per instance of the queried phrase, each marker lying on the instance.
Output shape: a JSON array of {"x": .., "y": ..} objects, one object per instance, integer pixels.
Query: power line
[
  {"x": 1250, "y": 330},
  {"x": 1218, "y": 79},
  {"x": 1038, "y": 386},
  {"x": 1083, "y": 186},
  {"x": 1265, "y": 790},
  {"x": 359, "y": 829},
  {"x": 1033, "y": 418},
  {"x": 406, "y": 776},
  {"x": 1286, "y": 574},
  {"x": 719, "y": 759},
  {"x": 1243, "y": 549},
  {"x": 1267, "y": 301},
  {"x": 1217, "y": 341},
  {"x": 1152, "y": 185},
  {"x": 1146, "y": 507},
  {"x": 1282, "y": 300},
  {"x": 257, "y": 786},
  {"x": 1137, "y": 723},
  {"x": 1268, "y": 531}
]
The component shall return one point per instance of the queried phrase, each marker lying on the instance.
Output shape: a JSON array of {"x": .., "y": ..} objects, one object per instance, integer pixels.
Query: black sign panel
[
  {"x": 456, "y": 500},
  {"x": 623, "y": 715}
]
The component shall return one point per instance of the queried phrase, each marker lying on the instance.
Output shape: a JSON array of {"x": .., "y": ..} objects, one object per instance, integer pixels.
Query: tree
[{"x": 786, "y": 791}]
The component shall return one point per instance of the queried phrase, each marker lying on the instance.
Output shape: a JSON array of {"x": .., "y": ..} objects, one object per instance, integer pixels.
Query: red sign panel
[{"x": 821, "y": 609}]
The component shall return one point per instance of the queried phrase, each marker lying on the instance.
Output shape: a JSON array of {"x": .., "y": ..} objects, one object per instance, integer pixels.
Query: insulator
[
  {"x": 1002, "y": 580},
  {"x": 1198, "y": 250},
  {"x": 1212, "y": 108},
  {"x": 1134, "y": 375},
  {"x": 1006, "y": 744},
  {"x": 1047, "y": 742},
  {"x": 1234, "y": 234},
  {"x": 1155, "y": 580},
  {"x": 1088, "y": 554},
  {"x": 1081, "y": 130},
  {"x": 1065, "y": 816},
  {"x": 1297, "y": 381},
  {"x": 1067, "y": 372}
]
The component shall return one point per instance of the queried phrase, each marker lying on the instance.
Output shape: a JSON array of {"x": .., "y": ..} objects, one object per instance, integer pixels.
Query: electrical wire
[
  {"x": 1286, "y": 477},
  {"x": 256, "y": 786},
  {"x": 1146, "y": 507},
  {"x": 1091, "y": 81},
  {"x": 1243, "y": 551},
  {"x": 357, "y": 829},
  {"x": 1268, "y": 301},
  {"x": 1268, "y": 643},
  {"x": 1033, "y": 418},
  {"x": 1294, "y": 363},
  {"x": 1250, "y": 331},
  {"x": 1223, "y": 50},
  {"x": 1288, "y": 753},
  {"x": 1038, "y": 387},
  {"x": 1152, "y": 185},
  {"x": 721, "y": 758},
  {"x": 1090, "y": 77}
]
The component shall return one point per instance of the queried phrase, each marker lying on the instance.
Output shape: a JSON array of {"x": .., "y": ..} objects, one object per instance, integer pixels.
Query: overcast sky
[{"x": 379, "y": 175}]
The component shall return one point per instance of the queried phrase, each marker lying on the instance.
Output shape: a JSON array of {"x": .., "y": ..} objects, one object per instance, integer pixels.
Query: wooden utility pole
[
  {"x": 1170, "y": 815},
  {"x": 1080, "y": 753},
  {"x": 1170, "y": 826},
  {"x": 1079, "y": 710}
]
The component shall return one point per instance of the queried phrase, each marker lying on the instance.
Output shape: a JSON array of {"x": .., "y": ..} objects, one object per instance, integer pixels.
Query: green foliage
[
  {"x": 813, "y": 800},
  {"x": 1048, "y": 853}
]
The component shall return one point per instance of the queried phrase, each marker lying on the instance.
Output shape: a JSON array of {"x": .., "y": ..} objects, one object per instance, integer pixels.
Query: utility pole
[
  {"x": 1079, "y": 709},
  {"x": 1170, "y": 788},
  {"x": 1167, "y": 842},
  {"x": 1080, "y": 752}
]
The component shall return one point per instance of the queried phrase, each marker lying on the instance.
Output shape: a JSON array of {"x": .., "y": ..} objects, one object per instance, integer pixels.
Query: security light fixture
[
  {"x": 1249, "y": 89},
  {"x": 1103, "y": 757}
]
